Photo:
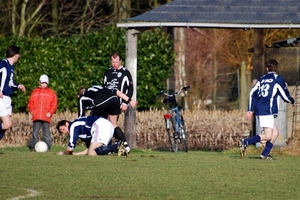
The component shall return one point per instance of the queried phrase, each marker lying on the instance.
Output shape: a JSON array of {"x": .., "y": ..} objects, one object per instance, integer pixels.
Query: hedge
[{"x": 72, "y": 62}]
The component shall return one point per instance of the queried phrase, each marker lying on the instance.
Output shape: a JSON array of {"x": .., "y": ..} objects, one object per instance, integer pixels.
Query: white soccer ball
[{"x": 41, "y": 146}]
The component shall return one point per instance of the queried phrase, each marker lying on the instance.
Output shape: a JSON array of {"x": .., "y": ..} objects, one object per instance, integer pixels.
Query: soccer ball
[{"x": 41, "y": 146}]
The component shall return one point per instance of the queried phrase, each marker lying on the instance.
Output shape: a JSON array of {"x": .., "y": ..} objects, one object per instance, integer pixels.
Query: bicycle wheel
[
  {"x": 173, "y": 135},
  {"x": 173, "y": 142},
  {"x": 183, "y": 139},
  {"x": 169, "y": 130}
]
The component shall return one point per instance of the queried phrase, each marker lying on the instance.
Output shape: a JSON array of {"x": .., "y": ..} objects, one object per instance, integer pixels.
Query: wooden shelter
[{"x": 244, "y": 14}]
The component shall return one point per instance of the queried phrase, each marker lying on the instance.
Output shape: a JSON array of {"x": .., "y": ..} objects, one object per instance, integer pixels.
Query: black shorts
[{"x": 108, "y": 107}]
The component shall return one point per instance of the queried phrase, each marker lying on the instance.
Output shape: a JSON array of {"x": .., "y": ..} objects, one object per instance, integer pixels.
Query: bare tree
[
  {"x": 203, "y": 60},
  {"x": 65, "y": 17},
  {"x": 210, "y": 52},
  {"x": 28, "y": 17},
  {"x": 55, "y": 17},
  {"x": 123, "y": 9}
]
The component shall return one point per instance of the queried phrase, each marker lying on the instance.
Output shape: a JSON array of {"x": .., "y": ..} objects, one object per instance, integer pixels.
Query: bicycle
[{"x": 174, "y": 118}]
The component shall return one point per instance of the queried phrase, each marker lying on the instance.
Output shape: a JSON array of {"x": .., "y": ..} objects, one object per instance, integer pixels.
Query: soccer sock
[
  {"x": 119, "y": 135},
  {"x": 267, "y": 148},
  {"x": 103, "y": 150},
  {"x": 2, "y": 133},
  {"x": 252, "y": 140}
]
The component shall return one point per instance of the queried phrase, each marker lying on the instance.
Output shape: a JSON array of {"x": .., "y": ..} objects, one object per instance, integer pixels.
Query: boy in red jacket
[{"x": 42, "y": 105}]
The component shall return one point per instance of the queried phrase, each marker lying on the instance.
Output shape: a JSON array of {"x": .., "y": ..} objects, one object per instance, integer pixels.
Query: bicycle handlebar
[{"x": 159, "y": 94}]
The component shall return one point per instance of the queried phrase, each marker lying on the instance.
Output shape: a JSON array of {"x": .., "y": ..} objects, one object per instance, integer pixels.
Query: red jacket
[{"x": 42, "y": 101}]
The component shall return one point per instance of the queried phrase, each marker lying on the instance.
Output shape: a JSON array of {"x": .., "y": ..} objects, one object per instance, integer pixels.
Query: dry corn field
[{"x": 212, "y": 130}]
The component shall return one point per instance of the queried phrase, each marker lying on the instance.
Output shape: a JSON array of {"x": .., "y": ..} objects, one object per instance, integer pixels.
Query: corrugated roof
[{"x": 221, "y": 13}]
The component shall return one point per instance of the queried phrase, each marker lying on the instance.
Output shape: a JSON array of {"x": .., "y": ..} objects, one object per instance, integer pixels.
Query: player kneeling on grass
[
  {"x": 95, "y": 132},
  {"x": 104, "y": 102}
]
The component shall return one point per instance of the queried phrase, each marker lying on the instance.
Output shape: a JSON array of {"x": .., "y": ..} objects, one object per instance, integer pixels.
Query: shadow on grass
[
  {"x": 254, "y": 157},
  {"x": 162, "y": 149},
  {"x": 167, "y": 149},
  {"x": 247, "y": 157}
]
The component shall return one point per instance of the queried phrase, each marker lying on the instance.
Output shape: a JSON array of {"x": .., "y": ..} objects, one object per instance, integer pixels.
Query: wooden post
[
  {"x": 244, "y": 88},
  {"x": 258, "y": 59},
  {"x": 179, "y": 64},
  {"x": 215, "y": 78},
  {"x": 131, "y": 65},
  {"x": 258, "y": 63}
]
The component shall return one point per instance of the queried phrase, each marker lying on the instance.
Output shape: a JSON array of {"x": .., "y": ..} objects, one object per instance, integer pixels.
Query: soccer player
[
  {"x": 8, "y": 86},
  {"x": 263, "y": 101},
  {"x": 104, "y": 102},
  {"x": 117, "y": 77},
  {"x": 95, "y": 132}
]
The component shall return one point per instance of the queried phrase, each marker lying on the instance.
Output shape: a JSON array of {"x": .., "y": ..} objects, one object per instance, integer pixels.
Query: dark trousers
[{"x": 46, "y": 133}]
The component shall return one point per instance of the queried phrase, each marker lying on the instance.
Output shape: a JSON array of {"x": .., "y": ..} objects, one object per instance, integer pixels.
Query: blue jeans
[{"x": 46, "y": 133}]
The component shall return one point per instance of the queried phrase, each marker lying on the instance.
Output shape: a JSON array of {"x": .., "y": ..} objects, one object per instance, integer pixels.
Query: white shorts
[
  {"x": 5, "y": 106},
  {"x": 102, "y": 131},
  {"x": 266, "y": 121}
]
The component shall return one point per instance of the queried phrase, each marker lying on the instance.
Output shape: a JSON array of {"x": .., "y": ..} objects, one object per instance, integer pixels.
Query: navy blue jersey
[
  {"x": 7, "y": 83},
  {"x": 81, "y": 128},
  {"x": 264, "y": 94},
  {"x": 119, "y": 79}
]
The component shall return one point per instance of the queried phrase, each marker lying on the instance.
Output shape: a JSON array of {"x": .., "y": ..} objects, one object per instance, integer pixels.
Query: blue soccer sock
[
  {"x": 267, "y": 148},
  {"x": 252, "y": 140},
  {"x": 103, "y": 150},
  {"x": 1, "y": 132}
]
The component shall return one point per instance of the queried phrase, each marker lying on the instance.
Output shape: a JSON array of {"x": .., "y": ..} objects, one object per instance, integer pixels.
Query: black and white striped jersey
[
  {"x": 119, "y": 79},
  {"x": 93, "y": 97}
]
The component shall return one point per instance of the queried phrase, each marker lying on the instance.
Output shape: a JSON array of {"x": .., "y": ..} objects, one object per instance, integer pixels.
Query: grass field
[{"x": 147, "y": 175}]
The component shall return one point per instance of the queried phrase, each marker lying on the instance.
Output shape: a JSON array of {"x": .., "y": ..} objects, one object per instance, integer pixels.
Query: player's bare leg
[{"x": 92, "y": 147}]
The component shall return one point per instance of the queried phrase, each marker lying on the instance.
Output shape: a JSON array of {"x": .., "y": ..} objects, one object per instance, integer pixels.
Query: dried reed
[
  {"x": 213, "y": 130},
  {"x": 206, "y": 130}
]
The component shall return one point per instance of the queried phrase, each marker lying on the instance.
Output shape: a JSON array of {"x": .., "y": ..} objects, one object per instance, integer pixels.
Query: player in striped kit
[
  {"x": 8, "y": 86},
  {"x": 104, "y": 102},
  {"x": 94, "y": 131},
  {"x": 117, "y": 77}
]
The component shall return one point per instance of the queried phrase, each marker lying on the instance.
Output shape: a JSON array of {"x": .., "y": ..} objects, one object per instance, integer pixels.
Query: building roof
[{"x": 220, "y": 13}]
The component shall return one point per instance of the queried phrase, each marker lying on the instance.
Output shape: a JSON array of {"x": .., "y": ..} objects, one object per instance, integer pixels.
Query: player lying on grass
[
  {"x": 95, "y": 132},
  {"x": 105, "y": 103}
]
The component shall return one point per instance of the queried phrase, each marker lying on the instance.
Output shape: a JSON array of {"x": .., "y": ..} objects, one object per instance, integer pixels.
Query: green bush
[{"x": 71, "y": 62}]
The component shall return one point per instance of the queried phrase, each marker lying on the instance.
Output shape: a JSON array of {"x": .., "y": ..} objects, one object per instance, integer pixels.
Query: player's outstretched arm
[
  {"x": 68, "y": 151},
  {"x": 84, "y": 152}
]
